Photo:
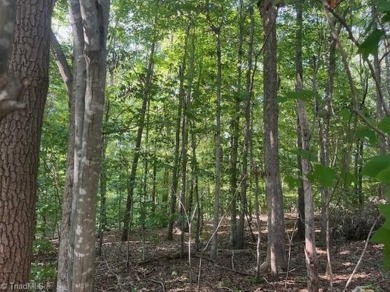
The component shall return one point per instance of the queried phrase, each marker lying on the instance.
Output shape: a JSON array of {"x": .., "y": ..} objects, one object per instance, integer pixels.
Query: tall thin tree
[
  {"x": 276, "y": 254},
  {"x": 304, "y": 137}
]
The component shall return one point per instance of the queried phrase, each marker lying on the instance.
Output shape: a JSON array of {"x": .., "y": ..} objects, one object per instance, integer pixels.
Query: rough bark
[
  {"x": 20, "y": 140},
  {"x": 276, "y": 256},
  {"x": 10, "y": 87}
]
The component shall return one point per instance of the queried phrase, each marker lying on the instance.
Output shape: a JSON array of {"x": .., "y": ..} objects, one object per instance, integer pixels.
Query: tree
[
  {"x": 304, "y": 138},
  {"x": 89, "y": 22},
  {"x": 10, "y": 88},
  {"x": 20, "y": 138},
  {"x": 276, "y": 257}
]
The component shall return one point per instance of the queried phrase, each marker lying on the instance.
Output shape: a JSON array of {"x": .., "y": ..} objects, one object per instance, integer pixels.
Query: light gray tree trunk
[
  {"x": 76, "y": 95},
  {"x": 89, "y": 22},
  {"x": 276, "y": 254},
  {"x": 20, "y": 134}
]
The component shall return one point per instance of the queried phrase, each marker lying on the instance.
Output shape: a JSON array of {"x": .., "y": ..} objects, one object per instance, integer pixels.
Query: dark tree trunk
[{"x": 20, "y": 134}]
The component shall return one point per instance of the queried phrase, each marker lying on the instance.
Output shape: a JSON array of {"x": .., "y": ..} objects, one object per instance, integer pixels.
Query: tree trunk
[
  {"x": 276, "y": 255},
  {"x": 20, "y": 134},
  {"x": 88, "y": 90},
  {"x": 10, "y": 87},
  {"x": 76, "y": 91},
  {"x": 235, "y": 126},
  {"x": 218, "y": 147},
  {"x": 304, "y": 136},
  {"x": 324, "y": 126}
]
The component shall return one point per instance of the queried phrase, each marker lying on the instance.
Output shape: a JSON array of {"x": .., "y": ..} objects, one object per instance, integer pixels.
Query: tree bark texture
[
  {"x": 20, "y": 140},
  {"x": 76, "y": 91},
  {"x": 276, "y": 257},
  {"x": 89, "y": 21},
  {"x": 10, "y": 88}
]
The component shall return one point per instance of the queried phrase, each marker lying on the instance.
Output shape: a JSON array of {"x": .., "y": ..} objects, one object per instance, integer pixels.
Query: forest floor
[{"x": 155, "y": 265}]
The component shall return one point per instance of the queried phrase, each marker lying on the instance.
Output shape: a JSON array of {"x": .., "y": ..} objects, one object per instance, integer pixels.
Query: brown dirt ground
[{"x": 160, "y": 269}]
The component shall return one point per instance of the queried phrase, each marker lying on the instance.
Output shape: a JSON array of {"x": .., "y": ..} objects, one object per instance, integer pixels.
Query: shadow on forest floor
[{"x": 162, "y": 270}]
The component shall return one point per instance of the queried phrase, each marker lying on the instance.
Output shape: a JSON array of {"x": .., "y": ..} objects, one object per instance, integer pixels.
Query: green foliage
[
  {"x": 374, "y": 166},
  {"x": 304, "y": 154},
  {"x": 42, "y": 270},
  {"x": 43, "y": 273},
  {"x": 323, "y": 175},
  {"x": 383, "y": 5},
  {"x": 371, "y": 44},
  {"x": 306, "y": 95},
  {"x": 384, "y": 125},
  {"x": 367, "y": 133},
  {"x": 379, "y": 168}
]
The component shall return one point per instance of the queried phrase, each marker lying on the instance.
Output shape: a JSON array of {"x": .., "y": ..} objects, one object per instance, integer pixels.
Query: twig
[
  {"x": 158, "y": 282},
  {"x": 199, "y": 273},
  {"x": 118, "y": 277},
  {"x": 361, "y": 256},
  {"x": 290, "y": 238}
]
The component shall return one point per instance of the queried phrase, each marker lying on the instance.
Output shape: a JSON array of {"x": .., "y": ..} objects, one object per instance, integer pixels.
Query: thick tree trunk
[
  {"x": 10, "y": 88},
  {"x": 20, "y": 134},
  {"x": 276, "y": 254}
]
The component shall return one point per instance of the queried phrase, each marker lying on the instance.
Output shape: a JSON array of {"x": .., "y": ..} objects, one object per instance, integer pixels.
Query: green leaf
[
  {"x": 386, "y": 17},
  {"x": 324, "y": 175},
  {"x": 371, "y": 43},
  {"x": 291, "y": 181},
  {"x": 384, "y": 125},
  {"x": 384, "y": 176},
  {"x": 375, "y": 165},
  {"x": 385, "y": 211},
  {"x": 305, "y": 154},
  {"x": 363, "y": 133},
  {"x": 295, "y": 95},
  {"x": 382, "y": 235},
  {"x": 383, "y": 5}
]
